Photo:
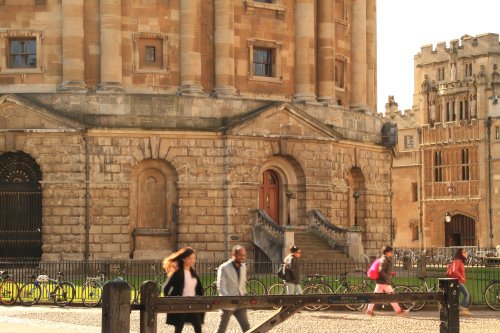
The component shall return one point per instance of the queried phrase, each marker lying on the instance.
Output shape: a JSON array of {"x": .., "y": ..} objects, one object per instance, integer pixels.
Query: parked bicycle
[
  {"x": 492, "y": 295},
  {"x": 255, "y": 287},
  {"x": 94, "y": 285},
  {"x": 424, "y": 288},
  {"x": 159, "y": 277},
  {"x": 43, "y": 286},
  {"x": 9, "y": 290}
]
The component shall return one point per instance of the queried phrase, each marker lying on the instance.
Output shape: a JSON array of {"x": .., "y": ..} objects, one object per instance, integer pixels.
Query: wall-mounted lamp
[
  {"x": 355, "y": 195},
  {"x": 447, "y": 217}
]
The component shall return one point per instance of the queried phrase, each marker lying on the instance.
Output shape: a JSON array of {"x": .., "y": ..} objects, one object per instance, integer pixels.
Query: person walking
[
  {"x": 383, "y": 283},
  {"x": 231, "y": 281},
  {"x": 292, "y": 271},
  {"x": 183, "y": 281},
  {"x": 456, "y": 269}
]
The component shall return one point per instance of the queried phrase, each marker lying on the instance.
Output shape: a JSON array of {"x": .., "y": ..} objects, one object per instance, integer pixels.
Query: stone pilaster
[
  {"x": 190, "y": 46},
  {"x": 72, "y": 46},
  {"x": 224, "y": 48},
  {"x": 371, "y": 55},
  {"x": 358, "y": 55},
  {"x": 326, "y": 51},
  {"x": 111, "y": 46},
  {"x": 304, "y": 51}
]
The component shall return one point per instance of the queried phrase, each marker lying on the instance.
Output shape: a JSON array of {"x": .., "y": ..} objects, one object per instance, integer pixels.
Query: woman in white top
[{"x": 183, "y": 281}]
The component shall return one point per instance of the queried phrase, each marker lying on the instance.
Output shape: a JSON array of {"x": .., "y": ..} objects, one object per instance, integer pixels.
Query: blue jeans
[{"x": 466, "y": 299}]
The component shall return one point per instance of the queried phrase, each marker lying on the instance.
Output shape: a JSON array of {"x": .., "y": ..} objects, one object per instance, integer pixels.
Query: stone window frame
[
  {"x": 344, "y": 19},
  {"x": 409, "y": 141},
  {"x": 276, "y": 47},
  {"x": 6, "y": 36},
  {"x": 345, "y": 62},
  {"x": 497, "y": 132},
  {"x": 468, "y": 69},
  {"x": 136, "y": 66},
  {"x": 276, "y": 5},
  {"x": 414, "y": 230}
]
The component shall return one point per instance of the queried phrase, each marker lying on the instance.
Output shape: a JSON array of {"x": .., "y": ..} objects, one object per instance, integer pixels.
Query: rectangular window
[
  {"x": 150, "y": 55},
  {"x": 465, "y": 164},
  {"x": 409, "y": 142},
  {"x": 414, "y": 191},
  {"x": 262, "y": 62},
  {"x": 22, "y": 53},
  {"x": 265, "y": 1},
  {"x": 438, "y": 166},
  {"x": 414, "y": 232},
  {"x": 340, "y": 11},
  {"x": 468, "y": 70},
  {"x": 339, "y": 73},
  {"x": 497, "y": 132}
]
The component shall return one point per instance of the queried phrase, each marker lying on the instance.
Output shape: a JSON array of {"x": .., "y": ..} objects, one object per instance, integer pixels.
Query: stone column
[
  {"x": 190, "y": 47},
  {"x": 304, "y": 51},
  {"x": 111, "y": 46},
  {"x": 224, "y": 48},
  {"x": 73, "y": 71},
  {"x": 358, "y": 55},
  {"x": 326, "y": 51},
  {"x": 371, "y": 55}
]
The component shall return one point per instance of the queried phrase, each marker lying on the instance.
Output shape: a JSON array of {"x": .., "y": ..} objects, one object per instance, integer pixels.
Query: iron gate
[{"x": 20, "y": 207}]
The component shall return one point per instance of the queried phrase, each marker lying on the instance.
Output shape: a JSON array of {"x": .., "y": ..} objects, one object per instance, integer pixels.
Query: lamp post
[
  {"x": 288, "y": 197},
  {"x": 355, "y": 195}
]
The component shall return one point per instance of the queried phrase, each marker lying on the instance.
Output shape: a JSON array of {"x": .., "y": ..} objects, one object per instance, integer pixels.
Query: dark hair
[
  {"x": 459, "y": 254},
  {"x": 386, "y": 249},
  {"x": 294, "y": 249},
  {"x": 174, "y": 262}
]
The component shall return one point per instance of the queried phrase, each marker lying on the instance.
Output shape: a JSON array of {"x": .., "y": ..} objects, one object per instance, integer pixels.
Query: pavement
[{"x": 53, "y": 319}]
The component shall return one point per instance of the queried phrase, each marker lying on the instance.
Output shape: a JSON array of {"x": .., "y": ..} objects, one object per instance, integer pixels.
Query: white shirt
[{"x": 189, "y": 284}]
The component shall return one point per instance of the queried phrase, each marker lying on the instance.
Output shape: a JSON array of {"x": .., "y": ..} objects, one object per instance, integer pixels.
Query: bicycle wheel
[
  {"x": 357, "y": 289},
  {"x": 492, "y": 296},
  {"x": 277, "y": 289},
  {"x": 312, "y": 290},
  {"x": 91, "y": 294},
  {"x": 30, "y": 294},
  {"x": 419, "y": 305},
  {"x": 324, "y": 289},
  {"x": 64, "y": 293},
  {"x": 408, "y": 305},
  {"x": 211, "y": 290},
  {"x": 255, "y": 287},
  {"x": 133, "y": 293},
  {"x": 9, "y": 291}
]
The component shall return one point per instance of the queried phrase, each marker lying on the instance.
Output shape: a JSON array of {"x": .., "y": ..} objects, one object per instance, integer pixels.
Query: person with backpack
[
  {"x": 383, "y": 280},
  {"x": 456, "y": 269},
  {"x": 292, "y": 271}
]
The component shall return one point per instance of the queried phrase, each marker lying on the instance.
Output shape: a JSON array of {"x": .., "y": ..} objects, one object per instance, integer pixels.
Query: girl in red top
[{"x": 457, "y": 270}]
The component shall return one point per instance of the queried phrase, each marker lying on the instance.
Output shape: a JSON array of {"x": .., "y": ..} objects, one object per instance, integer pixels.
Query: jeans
[
  {"x": 381, "y": 288},
  {"x": 466, "y": 299},
  {"x": 239, "y": 314},
  {"x": 293, "y": 289}
]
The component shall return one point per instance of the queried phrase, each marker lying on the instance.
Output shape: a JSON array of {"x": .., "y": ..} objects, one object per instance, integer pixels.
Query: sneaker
[
  {"x": 464, "y": 312},
  {"x": 402, "y": 313},
  {"x": 370, "y": 313}
]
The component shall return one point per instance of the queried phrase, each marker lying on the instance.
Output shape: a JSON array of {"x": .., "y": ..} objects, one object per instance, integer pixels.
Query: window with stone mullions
[
  {"x": 438, "y": 166},
  {"x": 150, "y": 55},
  {"x": 262, "y": 62},
  {"x": 465, "y": 164},
  {"x": 22, "y": 53}
]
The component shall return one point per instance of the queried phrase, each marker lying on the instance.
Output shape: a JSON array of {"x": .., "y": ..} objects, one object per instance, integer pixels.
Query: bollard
[
  {"x": 148, "y": 315},
  {"x": 448, "y": 308},
  {"x": 116, "y": 307}
]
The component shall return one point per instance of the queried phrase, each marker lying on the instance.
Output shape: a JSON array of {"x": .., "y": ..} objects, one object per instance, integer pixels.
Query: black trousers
[{"x": 195, "y": 321}]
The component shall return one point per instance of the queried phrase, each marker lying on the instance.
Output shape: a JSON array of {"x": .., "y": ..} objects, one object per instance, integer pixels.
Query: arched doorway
[
  {"x": 269, "y": 195},
  {"x": 461, "y": 231},
  {"x": 20, "y": 207}
]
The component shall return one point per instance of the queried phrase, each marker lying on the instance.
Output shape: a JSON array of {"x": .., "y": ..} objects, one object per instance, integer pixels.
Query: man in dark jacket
[
  {"x": 384, "y": 280},
  {"x": 292, "y": 271}
]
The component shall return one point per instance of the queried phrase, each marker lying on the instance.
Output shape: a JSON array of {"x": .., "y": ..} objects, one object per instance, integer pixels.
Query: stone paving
[{"x": 51, "y": 319}]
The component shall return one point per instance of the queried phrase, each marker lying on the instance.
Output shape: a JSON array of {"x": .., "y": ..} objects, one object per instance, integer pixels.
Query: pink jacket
[{"x": 456, "y": 270}]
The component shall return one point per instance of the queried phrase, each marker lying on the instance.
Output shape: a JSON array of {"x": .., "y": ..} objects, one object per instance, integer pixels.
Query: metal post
[
  {"x": 116, "y": 307},
  {"x": 356, "y": 197},
  {"x": 448, "y": 308}
]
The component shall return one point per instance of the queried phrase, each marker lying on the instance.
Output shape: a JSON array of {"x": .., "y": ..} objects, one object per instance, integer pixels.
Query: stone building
[
  {"x": 131, "y": 128},
  {"x": 446, "y": 173}
]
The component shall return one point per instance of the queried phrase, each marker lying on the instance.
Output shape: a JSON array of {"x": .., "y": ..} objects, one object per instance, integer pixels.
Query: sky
[{"x": 403, "y": 26}]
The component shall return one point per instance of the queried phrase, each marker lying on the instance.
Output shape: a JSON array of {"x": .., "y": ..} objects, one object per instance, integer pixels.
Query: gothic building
[
  {"x": 446, "y": 173},
  {"x": 129, "y": 128}
]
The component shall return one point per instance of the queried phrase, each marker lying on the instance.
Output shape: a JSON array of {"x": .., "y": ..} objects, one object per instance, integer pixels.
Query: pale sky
[{"x": 403, "y": 26}]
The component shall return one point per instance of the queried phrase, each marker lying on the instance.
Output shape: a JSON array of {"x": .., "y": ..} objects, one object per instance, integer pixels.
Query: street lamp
[
  {"x": 355, "y": 195},
  {"x": 447, "y": 217},
  {"x": 288, "y": 197}
]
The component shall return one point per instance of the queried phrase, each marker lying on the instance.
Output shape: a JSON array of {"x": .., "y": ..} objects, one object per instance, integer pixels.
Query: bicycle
[
  {"x": 424, "y": 288},
  {"x": 255, "y": 287},
  {"x": 93, "y": 288},
  {"x": 61, "y": 292},
  {"x": 159, "y": 277},
  {"x": 9, "y": 290},
  {"x": 492, "y": 295}
]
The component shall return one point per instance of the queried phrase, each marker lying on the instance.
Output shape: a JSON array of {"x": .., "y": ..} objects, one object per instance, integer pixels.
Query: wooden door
[
  {"x": 269, "y": 195},
  {"x": 461, "y": 231}
]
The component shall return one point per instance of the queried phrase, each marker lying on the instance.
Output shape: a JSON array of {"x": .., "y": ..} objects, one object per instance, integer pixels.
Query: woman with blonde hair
[{"x": 183, "y": 281}]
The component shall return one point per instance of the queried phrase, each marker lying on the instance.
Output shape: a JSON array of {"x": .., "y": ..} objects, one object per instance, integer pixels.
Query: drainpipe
[
  {"x": 225, "y": 197},
  {"x": 87, "y": 198},
  {"x": 490, "y": 211}
]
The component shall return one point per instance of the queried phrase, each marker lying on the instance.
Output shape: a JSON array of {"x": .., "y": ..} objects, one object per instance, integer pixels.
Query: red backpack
[{"x": 373, "y": 272}]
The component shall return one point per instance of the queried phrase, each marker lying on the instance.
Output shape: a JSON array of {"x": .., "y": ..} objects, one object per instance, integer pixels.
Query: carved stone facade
[
  {"x": 154, "y": 125},
  {"x": 448, "y": 152}
]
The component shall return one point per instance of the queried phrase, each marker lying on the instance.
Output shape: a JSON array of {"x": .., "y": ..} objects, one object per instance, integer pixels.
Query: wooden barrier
[{"x": 151, "y": 304}]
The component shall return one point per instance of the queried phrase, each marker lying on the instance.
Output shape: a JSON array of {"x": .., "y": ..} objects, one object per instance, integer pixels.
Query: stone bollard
[
  {"x": 116, "y": 307},
  {"x": 448, "y": 310}
]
